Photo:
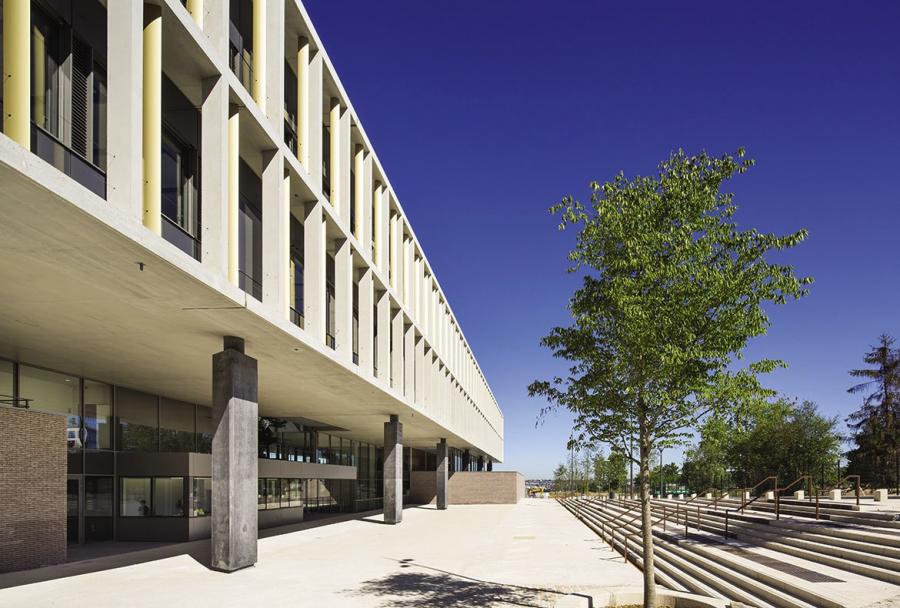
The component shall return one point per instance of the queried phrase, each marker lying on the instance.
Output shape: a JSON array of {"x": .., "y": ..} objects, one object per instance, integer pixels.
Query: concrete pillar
[
  {"x": 441, "y": 483},
  {"x": 276, "y": 233},
  {"x": 835, "y": 494},
  {"x": 395, "y": 247},
  {"x": 368, "y": 216},
  {"x": 407, "y": 273},
  {"x": 213, "y": 174},
  {"x": 397, "y": 351},
  {"x": 216, "y": 26},
  {"x": 380, "y": 227},
  {"x": 17, "y": 71},
  {"x": 384, "y": 336},
  {"x": 152, "y": 118},
  {"x": 419, "y": 371},
  {"x": 799, "y": 495},
  {"x": 259, "y": 59},
  {"x": 343, "y": 169},
  {"x": 195, "y": 8},
  {"x": 234, "y": 453},
  {"x": 881, "y": 495},
  {"x": 343, "y": 298},
  {"x": 393, "y": 471},
  {"x": 314, "y": 115},
  {"x": 366, "y": 290},
  {"x": 273, "y": 85},
  {"x": 233, "y": 207},
  {"x": 125, "y": 82},
  {"x": 303, "y": 130},
  {"x": 314, "y": 272}
]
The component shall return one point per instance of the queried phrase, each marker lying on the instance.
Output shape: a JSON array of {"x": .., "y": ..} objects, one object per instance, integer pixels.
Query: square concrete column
[
  {"x": 343, "y": 298},
  {"x": 383, "y": 345},
  {"x": 314, "y": 272},
  {"x": 234, "y": 452},
  {"x": 409, "y": 363},
  {"x": 397, "y": 351},
  {"x": 441, "y": 483},
  {"x": 366, "y": 290},
  {"x": 393, "y": 471},
  {"x": 214, "y": 174},
  {"x": 276, "y": 232}
]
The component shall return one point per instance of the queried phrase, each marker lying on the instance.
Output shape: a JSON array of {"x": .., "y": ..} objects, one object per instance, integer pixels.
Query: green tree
[
  {"x": 560, "y": 477},
  {"x": 611, "y": 473},
  {"x": 875, "y": 423},
  {"x": 672, "y": 291}
]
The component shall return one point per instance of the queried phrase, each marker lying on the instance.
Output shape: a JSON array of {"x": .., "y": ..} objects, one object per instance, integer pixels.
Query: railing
[
  {"x": 837, "y": 486},
  {"x": 745, "y": 503},
  {"x": 47, "y": 147},
  {"x": 180, "y": 237},
  {"x": 297, "y": 317},
  {"x": 22, "y": 402},
  {"x": 778, "y": 492}
]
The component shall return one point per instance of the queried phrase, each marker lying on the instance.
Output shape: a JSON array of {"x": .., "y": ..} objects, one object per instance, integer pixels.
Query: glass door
[{"x": 98, "y": 508}]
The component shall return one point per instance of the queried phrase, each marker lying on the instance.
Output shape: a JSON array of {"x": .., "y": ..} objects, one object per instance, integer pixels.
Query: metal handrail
[
  {"x": 839, "y": 483},
  {"x": 745, "y": 503},
  {"x": 778, "y": 492}
]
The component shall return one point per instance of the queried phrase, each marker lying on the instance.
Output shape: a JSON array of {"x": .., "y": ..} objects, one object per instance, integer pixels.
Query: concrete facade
[
  {"x": 34, "y": 486},
  {"x": 469, "y": 487}
]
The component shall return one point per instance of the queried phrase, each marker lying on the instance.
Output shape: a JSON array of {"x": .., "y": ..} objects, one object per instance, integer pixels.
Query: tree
[
  {"x": 875, "y": 423},
  {"x": 560, "y": 477},
  {"x": 672, "y": 291},
  {"x": 611, "y": 473}
]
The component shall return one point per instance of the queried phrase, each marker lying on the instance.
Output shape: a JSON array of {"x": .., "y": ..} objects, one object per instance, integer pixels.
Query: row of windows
[{"x": 165, "y": 497}]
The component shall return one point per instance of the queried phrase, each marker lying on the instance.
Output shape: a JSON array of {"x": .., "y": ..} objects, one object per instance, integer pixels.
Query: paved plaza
[{"x": 533, "y": 553}]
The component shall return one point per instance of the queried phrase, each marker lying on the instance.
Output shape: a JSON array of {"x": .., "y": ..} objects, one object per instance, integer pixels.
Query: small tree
[{"x": 672, "y": 291}]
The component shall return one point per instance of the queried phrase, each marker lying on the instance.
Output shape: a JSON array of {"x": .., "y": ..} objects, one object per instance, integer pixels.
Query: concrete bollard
[
  {"x": 746, "y": 495},
  {"x": 836, "y": 494},
  {"x": 770, "y": 495},
  {"x": 881, "y": 495},
  {"x": 725, "y": 496},
  {"x": 799, "y": 494},
  {"x": 708, "y": 496},
  {"x": 694, "y": 495},
  {"x": 681, "y": 497},
  {"x": 669, "y": 496}
]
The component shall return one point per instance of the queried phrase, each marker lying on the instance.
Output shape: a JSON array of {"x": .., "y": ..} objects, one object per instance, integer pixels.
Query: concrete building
[{"x": 207, "y": 274}]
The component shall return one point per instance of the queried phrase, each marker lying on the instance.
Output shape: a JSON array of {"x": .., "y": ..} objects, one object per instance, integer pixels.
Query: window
[
  {"x": 355, "y": 323},
  {"x": 273, "y": 493},
  {"x": 138, "y": 421},
  {"x": 353, "y": 229},
  {"x": 46, "y": 70},
  {"x": 201, "y": 496},
  {"x": 168, "y": 496},
  {"x": 260, "y": 494},
  {"x": 241, "y": 40},
  {"x": 204, "y": 430},
  {"x": 250, "y": 231},
  {"x": 326, "y": 162},
  {"x": 297, "y": 246},
  {"x": 135, "y": 500},
  {"x": 329, "y": 301},
  {"x": 49, "y": 391},
  {"x": 98, "y": 422},
  {"x": 7, "y": 387},
  {"x": 290, "y": 108},
  {"x": 295, "y": 493},
  {"x": 176, "y": 426},
  {"x": 180, "y": 169}
]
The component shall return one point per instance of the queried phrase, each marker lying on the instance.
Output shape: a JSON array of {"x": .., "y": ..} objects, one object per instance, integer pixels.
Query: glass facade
[
  {"x": 180, "y": 170},
  {"x": 98, "y": 415},
  {"x": 41, "y": 389},
  {"x": 168, "y": 496},
  {"x": 176, "y": 426},
  {"x": 135, "y": 497},
  {"x": 250, "y": 231},
  {"x": 201, "y": 496}
]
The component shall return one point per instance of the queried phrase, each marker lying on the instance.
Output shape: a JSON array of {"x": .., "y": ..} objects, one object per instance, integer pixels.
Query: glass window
[
  {"x": 295, "y": 493},
  {"x": 176, "y": 426},
  {"x": 204, "y": 430},
  {"x": 138, "y": 421},
  {"x": 330, "y": 301},
  {"x": 273, "y": 493},
  {"x": 45, "y": 72},
  {"x": 250, "y": 231},
  {"x": 326, "y": 162},
  {"x": 201, "y": 496},
  {"x": 49, "y": 391},
  {"x": 135, "y": 500},
  {"x": 98, "y": 496},
  {"x": 6, "y": 383},
  {"x": 168, "y": 496},
  {"x": 261, "y": 494},
  {"x": 97, "y": 415},
  {"x": 353, "y": 228}
]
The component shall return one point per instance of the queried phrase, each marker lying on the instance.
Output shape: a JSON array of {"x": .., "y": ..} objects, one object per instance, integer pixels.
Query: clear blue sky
[{"x": 484, "y": 113}]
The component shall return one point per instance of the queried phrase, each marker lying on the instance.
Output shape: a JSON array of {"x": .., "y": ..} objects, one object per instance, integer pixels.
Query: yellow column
[
  {"x": 359, "y": 178},
  {"x": 17, "y": 71},
  {"x": 234, "y": 130},
  {"x": 152, "y": 123},
  {"x": 195, "y": 8},
  {"x": 259, "y": 54},
  {"x": 303, "y": 102}
]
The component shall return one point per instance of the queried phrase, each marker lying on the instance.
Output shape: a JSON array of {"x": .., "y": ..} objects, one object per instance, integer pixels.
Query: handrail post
[
  {"x": 726, "y": 525},
  {"x": 665, "y": 513},
  {"x": 777, "y": 500},
  {"x": 698, "y": 518},
  {"x": 817, "y": 504},
  {"x": 857, "y": 490},
  {"x": 685, "y": 522}
]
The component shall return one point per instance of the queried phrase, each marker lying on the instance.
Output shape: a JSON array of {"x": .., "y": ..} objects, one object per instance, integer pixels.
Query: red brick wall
[
  {"x": 32, "y": 489},
  {"x": 470, "y": 487}
]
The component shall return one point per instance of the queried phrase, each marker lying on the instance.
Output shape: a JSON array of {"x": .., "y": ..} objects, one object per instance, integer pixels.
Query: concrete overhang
[{"x": 88, "y": 290}]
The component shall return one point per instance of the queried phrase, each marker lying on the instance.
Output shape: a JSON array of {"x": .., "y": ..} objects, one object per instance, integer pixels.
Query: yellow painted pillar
[
  {"x": 359, "y": 175},
  {"x": 259, "y": 54},
  {"x": 303, "y": 102},
  {"x": 152, "y": 122},
  {"x": 234, "y": 131},
  {"x": 195, "y": 8},
  {"x": 17, "y": 71}
]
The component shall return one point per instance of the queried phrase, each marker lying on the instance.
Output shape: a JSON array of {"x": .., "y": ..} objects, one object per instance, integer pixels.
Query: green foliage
[
  {"x": 672, "y": 291},
  {"x": 876, "y": 456},
  {"x": 778, "y": 437},
  {"x": 611, "y": 473}
]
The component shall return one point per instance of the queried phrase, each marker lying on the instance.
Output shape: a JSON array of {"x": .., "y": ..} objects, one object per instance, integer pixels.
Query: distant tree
[
  {"x": 610, "y": 472},
  {"x": 672, "y": 291},
  {"x": 560, "y": 477},
  {"x": 667, "y": 474},
  {"x": 875, "y": 423}
]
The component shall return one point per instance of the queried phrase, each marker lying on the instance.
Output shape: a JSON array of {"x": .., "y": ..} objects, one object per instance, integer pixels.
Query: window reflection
[
  {"x": 168, "y": 496},
  {"x": 53, "y": 392},
  {"x": 97, "y": 415},
  {"x": 135, "y": 500}
]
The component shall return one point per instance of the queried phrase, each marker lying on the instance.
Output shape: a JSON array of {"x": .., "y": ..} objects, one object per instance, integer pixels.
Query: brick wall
[
  {"x": 470, "y": 487},
  {"x": 32, "y": 489}
]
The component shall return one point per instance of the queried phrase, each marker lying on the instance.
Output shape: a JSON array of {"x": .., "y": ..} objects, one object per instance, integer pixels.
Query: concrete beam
[
  {"x": 234, "y": 457},
  {"x": 442, "y": 474},
  {"x": 393, "y": 471}
]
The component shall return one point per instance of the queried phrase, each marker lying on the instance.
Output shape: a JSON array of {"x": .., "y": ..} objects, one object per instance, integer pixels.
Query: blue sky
[{"x": 484, "y": 113}]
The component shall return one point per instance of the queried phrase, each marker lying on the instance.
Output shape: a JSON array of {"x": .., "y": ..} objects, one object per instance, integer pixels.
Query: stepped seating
[{"x": 763, "y": 562}]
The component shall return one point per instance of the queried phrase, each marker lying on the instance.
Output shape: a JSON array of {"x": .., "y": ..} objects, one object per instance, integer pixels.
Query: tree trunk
[{"x": 646, "y": 520}]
